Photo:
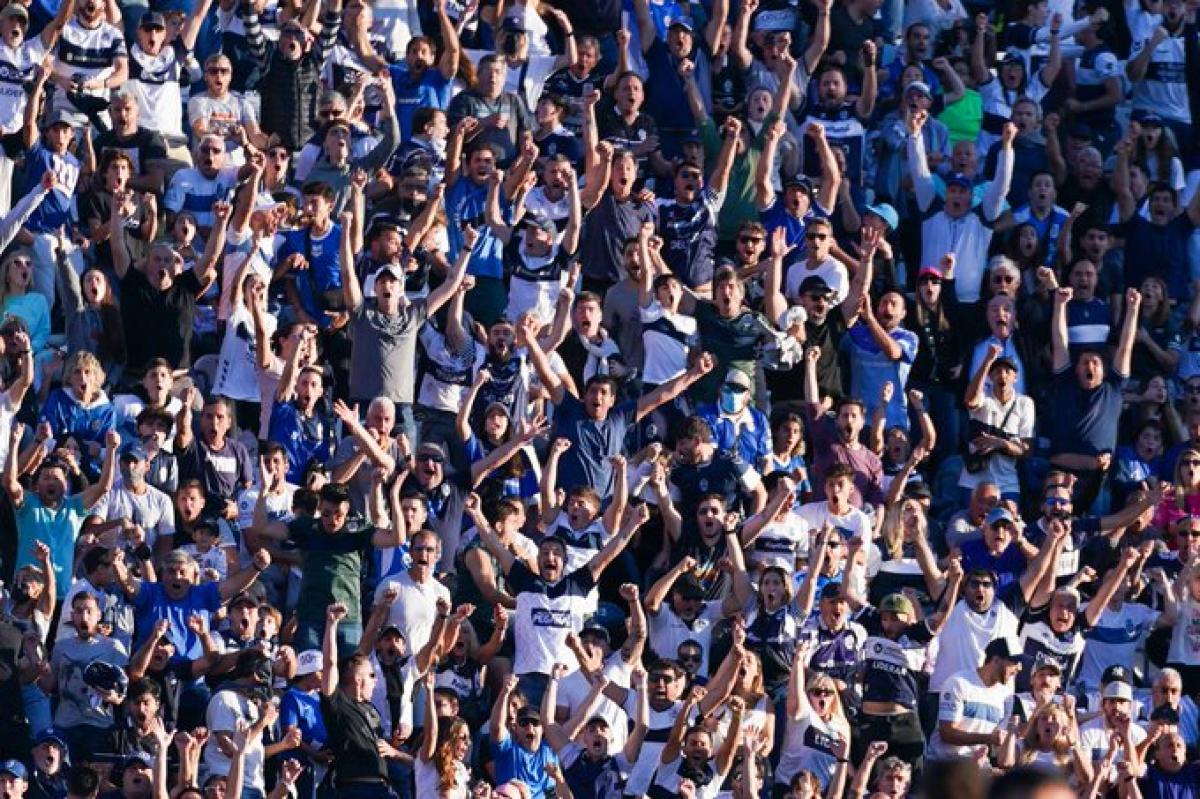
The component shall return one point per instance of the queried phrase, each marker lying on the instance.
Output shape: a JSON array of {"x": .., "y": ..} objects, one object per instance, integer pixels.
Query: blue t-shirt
[
  {"x": 515, "y": 762},
  {"x": 871, "y": 368},
  {"x": 305, "y": 439},
  {"x": 465, "y": 206},
  {"x": 777, "y": 216},
  {"x": 67, "y": 417},
  {"x": 1009, "y": 565},
  {"x": 303, "y": 711},
  {"x": 431, "y": 90},
  {"x": 55, "y": 209},
  {"x": 592, "y": 443},
  {"x": 152, "y": 604},
  {"x": 323, "y": 273},
  {"x": 54, "y": 527}
]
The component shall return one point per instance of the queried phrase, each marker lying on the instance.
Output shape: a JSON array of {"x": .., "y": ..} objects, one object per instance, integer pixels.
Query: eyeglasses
[
  {"x": 280, "y": 155},
  {"x": 814, "y": 236},
  {"x": 1004, "y": 279},
  {"x": 750, "y": 239}
]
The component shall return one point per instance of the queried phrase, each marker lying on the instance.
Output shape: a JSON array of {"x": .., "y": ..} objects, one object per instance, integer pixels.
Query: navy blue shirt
[
  {"x": 1085, "y": 420},
  {"x": 593, "y": 442}
]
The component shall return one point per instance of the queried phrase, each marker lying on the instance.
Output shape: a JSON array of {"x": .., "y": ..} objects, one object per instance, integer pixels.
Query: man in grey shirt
[{"x": 385, "y": 328}]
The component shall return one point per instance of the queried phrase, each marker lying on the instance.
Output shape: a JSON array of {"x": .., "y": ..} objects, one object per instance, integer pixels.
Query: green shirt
[
  {"x": 964, "y": 117},
  {"x": 332, "y": 566}
]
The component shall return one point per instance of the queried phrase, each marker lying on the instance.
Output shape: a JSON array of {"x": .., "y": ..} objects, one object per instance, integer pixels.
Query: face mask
[{"x": 730, "y": 401}]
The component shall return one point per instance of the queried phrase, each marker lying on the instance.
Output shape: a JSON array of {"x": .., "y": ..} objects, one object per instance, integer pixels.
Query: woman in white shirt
[
  {"x": 237, "y": 367},
  {"x": 815, "y": 721},
  {"x": 440, "y": 764}
]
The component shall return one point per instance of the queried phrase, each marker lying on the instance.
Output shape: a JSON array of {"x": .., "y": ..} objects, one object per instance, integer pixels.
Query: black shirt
[
  {"x": 158, "y": 323},
  {"x": 142, "y": 147},
  {"x": 355, "y": 730}
]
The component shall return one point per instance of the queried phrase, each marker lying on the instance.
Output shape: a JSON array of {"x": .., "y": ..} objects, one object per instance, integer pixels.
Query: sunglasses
[
  {"x": 690, "y": 658},
  {"x": 431, "y": 458},
  {"x": 816, "y": 236},
  {"x": 665, "y": 678},
  {"x": 1058, "y": 501},
  {"x": 1004, "y": 279},
  {"x": 820, "y": 692},
  {"x": 980, "y": 584},
  {"x": 750, "y": 240},
  {"x": 1189, "y": 534},
  {"x": 1190, "y": 462}
]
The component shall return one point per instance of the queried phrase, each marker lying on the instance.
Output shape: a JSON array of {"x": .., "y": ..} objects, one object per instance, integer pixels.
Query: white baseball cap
[{"x": 309, "y": 662}]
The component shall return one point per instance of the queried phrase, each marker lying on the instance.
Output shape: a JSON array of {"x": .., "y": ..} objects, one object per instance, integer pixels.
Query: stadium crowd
[{"x": 599, "y": 398}]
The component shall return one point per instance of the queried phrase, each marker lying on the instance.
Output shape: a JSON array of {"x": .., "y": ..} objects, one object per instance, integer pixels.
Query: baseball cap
[
  {"x": 682, "y": 22},
  {"x": 592, "y": 628},
  {"x": 391, "y": 629},
  {"x": 51, "y": 735},
  {"x": 688, "y": 587},
  {"x": 13, "y": 767},
  {"x": 1081, "y": 131},
  {"x": 798, "y": 182},
  {"x": 138, "y": 760},
  {"x": 1145, "y": 117},
  {"x": 537, "y": 221},
  {"x": 310, "y": 661},
  {"x": 919, "y": 86},
  {"x": 885, "y": 212},
  {"x": 1044, "y": 660},
  {"x": 134, "y": 450},
  {"x": 58, "y": 116},
  {"x": 815, "y": 284},
  {"x": 244, "y": 598},
  {"x": 512, "y": 25},
  {"x": 1116, "y": 673},
  {"x": 1005, "y": 362},
  {"x": 997, "y": 515},
  {"x": 598, "y": 721},
  {"x": 1006, "y": 647},
  {"x": 831, "y": 591},
  {"x": 1012, "y": 54},
  {"x": 896, "y": 603},
  {"x": 959, "y": 179},
  {"x": 152, "y": 19},
  {"x": 691, "y": 137},
  {"x": 930, "y": 271},
  {"x": 15, "y": 10},
  {"x": 429, "y": 448},
  {"x": 390, "y": 269},
  {"x": 529, "y": 713},
  {"x": 1118, "y": 690},
  {"x": 736, "y": 377}
]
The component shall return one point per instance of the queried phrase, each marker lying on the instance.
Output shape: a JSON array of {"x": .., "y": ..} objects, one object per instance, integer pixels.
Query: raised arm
[
  {"x": 993, "y": 197},
  {"x": 819, "y": 38},
  {"x": 458, "y": 271},
  {"x": 918, "y": 164},
  {"x": 731, "y": 132},
  {"x": 329, "y": 648},
  {"x": 764, "y": 191},
  {"x": 527, "y": 337},
  {"x": 741, "y": 32},
  {"x": 1059, "y": 352},
  {"x": 92, "y": 494},
  {"x": 616, "y": 545},
  {"x": 701, "y": 366},
  {"x": 646, "y": 29},
  {"x": 49, "y": 35},
  {"x": 870, "y": 82},
  {"x": 1129, "y": 327},
  {"x": 1136, "y": 68},
  {"x": 498, "y": 722}
]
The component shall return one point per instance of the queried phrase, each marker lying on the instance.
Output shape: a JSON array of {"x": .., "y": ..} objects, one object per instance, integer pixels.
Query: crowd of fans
[{"x": 781, "y": 398}]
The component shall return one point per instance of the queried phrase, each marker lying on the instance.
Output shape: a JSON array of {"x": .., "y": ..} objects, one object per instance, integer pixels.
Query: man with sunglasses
[{"x": 219, "y": 110}]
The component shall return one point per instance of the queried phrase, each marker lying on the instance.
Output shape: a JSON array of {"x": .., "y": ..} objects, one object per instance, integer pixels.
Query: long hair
[
  {"x": 837, "y": 716},
  {"x": 443, "y": 755},
  {"x": 892, "y": 530},
  {"x": 5, "y": 264},
  {"x": 1059, "y": 747},
  {"x": 1180, "y": 492},
  {"x": 111, "y": 342},
  {"x": 1164, "y": 151}
]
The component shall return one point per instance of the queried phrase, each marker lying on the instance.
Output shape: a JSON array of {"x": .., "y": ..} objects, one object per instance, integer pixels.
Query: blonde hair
[
  {"x": 85, "y": 360},
  {"x": 892, "y": 529},
  {"x": 837, "y": 716},
  {"x": 1060, "y": 747}
]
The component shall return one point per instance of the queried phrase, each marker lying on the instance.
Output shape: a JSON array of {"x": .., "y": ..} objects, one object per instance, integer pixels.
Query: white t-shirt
[
  {"x": 154, "y": 83},
  {"x": 972, "y": 707},
  {"x": 1114, "y": 638},
  {"x": 1016, "y": 419},
  {"x": 1185, "y": 636},
  {"x": 7, "y": 414},
  {"x": 807, "y": 746},
  {"x": 574, "y": 688},
  {"x": 666, "y": 339},
  {"x": 965, "y": 635},
  {"x": 1094, "y": 736},
  {"x": 779, "y": 542},
  {"x": 415, "y": 608},
  {"x": 428, "y": 780},
  {"x": 225, "y": 710},
  {"x": 152, "y": 510},
  {"x": 237, "y": 367},
  {"x": 16, "y": 69},
  {"x": 832, "y": 272},
  {"x": 667, "y": 631},
  {"x": 657, "y": 728},
  {"x": 815, "y": 515}
]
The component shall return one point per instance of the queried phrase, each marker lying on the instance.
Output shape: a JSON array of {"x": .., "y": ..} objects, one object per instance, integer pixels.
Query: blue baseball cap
[
  {"x": 15, "y": 768},
  {"x": 959, "y": 179},
  {"x": 134, "y": 449},
  {"x": 51, "y": 735},
  {"x": 997, "y": 515},
  {"x": 885, "y": 212}
]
